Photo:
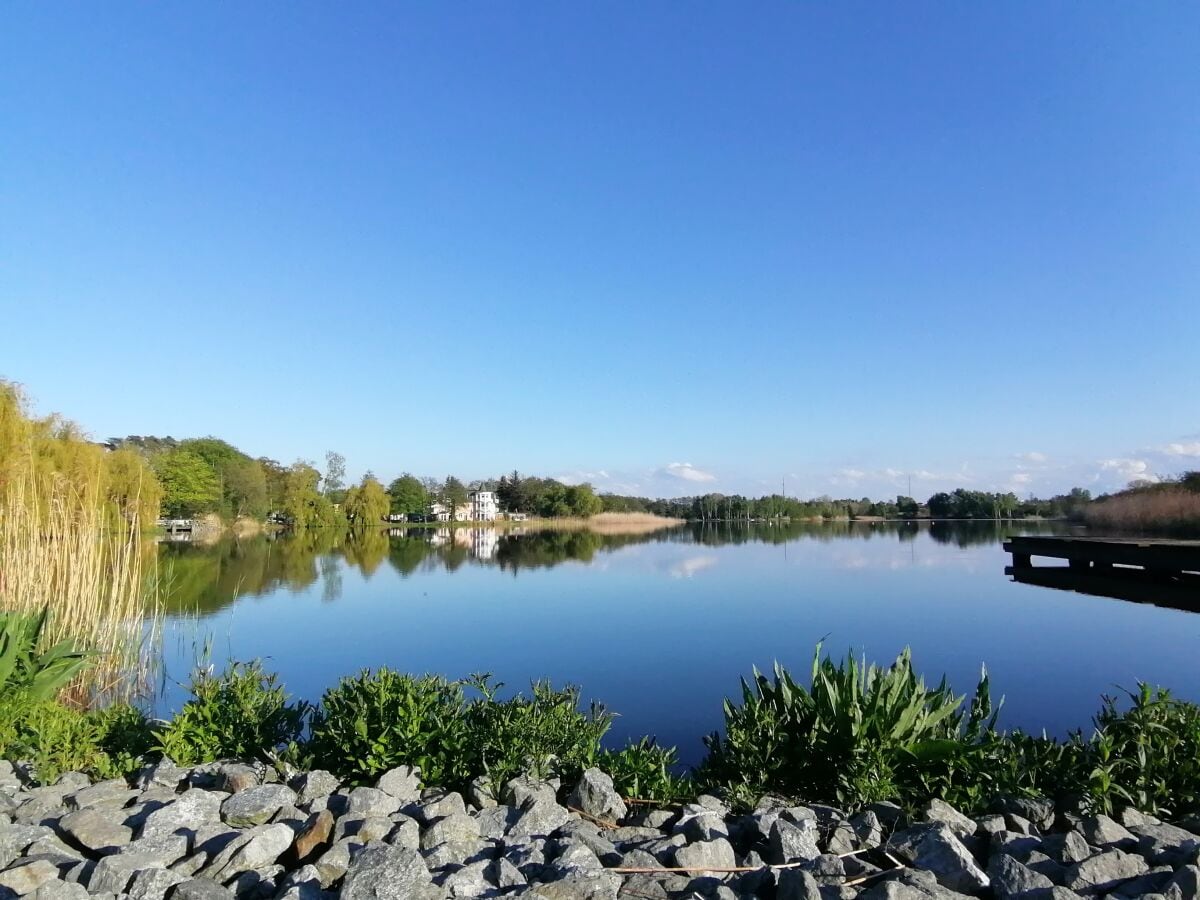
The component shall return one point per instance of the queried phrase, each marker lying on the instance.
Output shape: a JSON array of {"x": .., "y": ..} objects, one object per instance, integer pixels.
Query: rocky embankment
[{"x": 229, "y": 830}]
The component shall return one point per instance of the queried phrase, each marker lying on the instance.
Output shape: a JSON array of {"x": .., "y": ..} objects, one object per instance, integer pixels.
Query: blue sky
[{"x": 666, "y": 247}]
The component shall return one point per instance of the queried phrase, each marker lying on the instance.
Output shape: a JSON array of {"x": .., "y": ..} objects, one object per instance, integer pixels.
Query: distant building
[
  {"x": 483, "y": 506},
  {"x": 439, "y": 512},
  {"x": 517, "y": 516}
]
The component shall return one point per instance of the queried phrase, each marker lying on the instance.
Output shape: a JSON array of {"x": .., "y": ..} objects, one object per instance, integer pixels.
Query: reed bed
[
  {"x": 1171, "y": 510},
  {"x": 611, "y": 523},
  {"x": 71, "y": 519}
]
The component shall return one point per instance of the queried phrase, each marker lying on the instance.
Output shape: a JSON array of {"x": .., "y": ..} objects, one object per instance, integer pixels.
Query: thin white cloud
[
  {"x": 1033, "y": 456},
  {"x": 685, "y": 471},
  {"x": 1183, "y": 448},
  {"x": 1129, "y": 469},
  {"x": 1020, "y": 478}
]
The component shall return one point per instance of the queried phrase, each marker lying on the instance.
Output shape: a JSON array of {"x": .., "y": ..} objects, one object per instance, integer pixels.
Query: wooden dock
[{"x": 1161, "y": 572}]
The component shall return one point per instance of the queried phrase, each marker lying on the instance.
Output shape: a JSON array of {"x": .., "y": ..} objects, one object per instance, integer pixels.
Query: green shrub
[
  {"x": 1147, "y": 756},
  {"x": 241, "y": 713},
  {"x": 646, "y": 771},
  {"x": 861, "y": 733},
  {"x": 543, "y": 735},
  {"x": 373, "y": 722},
  {"x": 105, "y": 744}
]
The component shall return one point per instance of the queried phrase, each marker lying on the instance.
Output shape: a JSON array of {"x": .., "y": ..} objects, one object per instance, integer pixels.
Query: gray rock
[
  {"x": 1153, "y": 882},
  {"x": 200, "y": 889},
  {"x": 796, "y": 884},
  {"x": 453, "y": 853},
  {"x": 335, "y": 862},
  {"x": 1067, "y": 848},
  {"x": 697, "y": 823},
  {"x": 1185, "y": 885},
  {"x": 98, "y": 829},
  {"x": 1010, "y": 879},
  {"x": 405, "y": 832},
  {"x": 869, "y": 829},
  {"x": 467, "y": 881},
  {"x": 437, "y": 805},
  {"x": 456, "y": 828},
  {"x": 256, "y": 805},
  {"x": 158, "y": 849},
  {"x": 27, "y": 877},
  {"x": 1044, "y": 865},
  {"x": 1129, "y": 817},
  {"x": 265, "y": 845},
  {"x": 365, "y": 830},
  {"x": 941, "y": 811},
  {"x": 220, "y": 851},
  {"x": 495, "y": 821},
  {"x": 153, "y": 884},
  {"x": 61, "y": 890},
  {"x": 596, "y": 796},
  {"x": 114, "y": 792},
  {"x": 163, "y": 773},
  {"x": 192, "y": 809},
  {"x": 520, "y": 791},
  {"x": 368, "y": 801},
  {"x": 15, "y": 838},
  {"x": 602, "y": 886},
  {"x": 504, "y": 874},
  {"x": 235, "y": 777},
  {"x": 657, "y": 818},
  {"x": 1101, "y": 874},
  {"x": 1101, "y": 831},
  {"x": 538, "y": 818},
  {"x": 942, "y": 853},
  {"x": 706, "y": 855},
  {"x": 113, "y": 874},
  {"x": 793, "y": 842},
  {"x": 577, "y": 857},
  {"x": 49, "y": 847},
  {"x": 403, "y": 783},
  {"x": 481, "y": 793},
  {"x": 381, "y": 872},
  {"x": 311, "y": 785},
  {"x": 1037, "y": 810},
  {"x": 1167, "y": 844}
]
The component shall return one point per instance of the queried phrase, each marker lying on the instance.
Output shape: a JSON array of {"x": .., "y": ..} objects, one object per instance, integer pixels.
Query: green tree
[
  {"x": 583, "y": 501},
  {"x": 366, "y": 503},
  {"x": 454, "y": 494},
  {"x": 907, "y": 507},
  {"x": 303, "y": 505},
  {"x": 408, "y": 496},
  {"x": 189, "y": 484},
  {"x": 335, "y": 473}
]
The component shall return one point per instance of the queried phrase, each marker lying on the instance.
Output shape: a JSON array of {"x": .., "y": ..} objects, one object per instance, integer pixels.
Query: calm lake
[{"x": 660, "y": 627}]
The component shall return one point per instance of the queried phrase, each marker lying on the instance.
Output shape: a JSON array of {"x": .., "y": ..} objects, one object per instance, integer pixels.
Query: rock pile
[{"x": 231, "y": 831}]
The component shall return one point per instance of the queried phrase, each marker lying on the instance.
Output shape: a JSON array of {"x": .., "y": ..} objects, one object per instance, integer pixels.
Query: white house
[{"x": 484, "y": 507}]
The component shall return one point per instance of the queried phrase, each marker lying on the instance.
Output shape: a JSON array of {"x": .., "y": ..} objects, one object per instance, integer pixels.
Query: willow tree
[{"x": 367, "y": 503}]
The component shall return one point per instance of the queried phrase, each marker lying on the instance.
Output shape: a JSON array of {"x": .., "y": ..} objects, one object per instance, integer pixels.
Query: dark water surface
[{"x": 661, "y": 627}]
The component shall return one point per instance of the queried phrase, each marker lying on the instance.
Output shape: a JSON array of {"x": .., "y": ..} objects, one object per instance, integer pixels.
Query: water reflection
[{"x": 206, "y": 578}]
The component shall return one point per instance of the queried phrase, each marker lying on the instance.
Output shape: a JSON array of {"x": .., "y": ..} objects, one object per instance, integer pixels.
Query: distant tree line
[{"x": 208, "y": 475}]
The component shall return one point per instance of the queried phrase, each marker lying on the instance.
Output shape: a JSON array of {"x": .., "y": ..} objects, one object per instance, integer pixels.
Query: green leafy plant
[
  {"x": 646, "y": 771},
  {"x": 376, "y": 721},
  {"x": 1148, "y": 755},
  {"x": 542, "y": 735},
  {"x": 861, "y": 733},
  {"x": 242, "y": 713},
  {"x": 28, "y": 671}
]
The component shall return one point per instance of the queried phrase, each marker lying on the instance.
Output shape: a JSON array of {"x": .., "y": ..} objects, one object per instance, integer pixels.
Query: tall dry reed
[
  {"x": 1168, "y": 510},
  {"x": 71, "y": 518}
]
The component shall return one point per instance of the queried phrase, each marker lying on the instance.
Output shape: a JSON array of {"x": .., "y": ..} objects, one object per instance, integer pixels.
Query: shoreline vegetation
[{"x": 851, "y": 735}]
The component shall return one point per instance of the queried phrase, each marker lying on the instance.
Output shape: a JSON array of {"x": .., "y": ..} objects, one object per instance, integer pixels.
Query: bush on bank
[{"x": 857, "y": 734}]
